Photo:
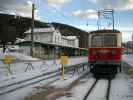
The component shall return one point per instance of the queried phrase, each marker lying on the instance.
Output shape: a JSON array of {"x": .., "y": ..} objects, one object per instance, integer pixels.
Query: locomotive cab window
[
  {"x": 110, "y": 40},
  {"x": 96, "y": 41},
  {"x": 104, "y": 40}
]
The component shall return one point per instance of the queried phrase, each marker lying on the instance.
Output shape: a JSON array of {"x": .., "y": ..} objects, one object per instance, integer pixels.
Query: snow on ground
[
  {"x": 62, "y": 83},
  {"x": 99, "y": 92},
  {"x": 17, "y": 55},
  {"x": 20, "y": 72},
  {"x": 68, "y": 79},
  {"x": 122, "y": 86},
  {"x": 30, "y": 90},
  {"x": 80, "y": 91},
  {"x": 120, "y": 89},
  {"x": 26, "y": 91},
  {"x": 39, "y": 66},
  {"x": 128, "y": 58}
]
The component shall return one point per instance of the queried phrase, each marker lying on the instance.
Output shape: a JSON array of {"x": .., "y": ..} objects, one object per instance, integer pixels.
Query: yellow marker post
[
  {"x": 64, "y": 61},
  {"x": 63, "y": 72},
  {"x": 8, "y": 60}
]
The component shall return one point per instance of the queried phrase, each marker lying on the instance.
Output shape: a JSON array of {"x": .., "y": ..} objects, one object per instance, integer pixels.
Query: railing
[{"x": 24, "y": 66}]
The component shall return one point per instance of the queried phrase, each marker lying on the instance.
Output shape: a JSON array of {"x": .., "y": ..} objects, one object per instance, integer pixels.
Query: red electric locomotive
[{"x": 105, "y": 52}]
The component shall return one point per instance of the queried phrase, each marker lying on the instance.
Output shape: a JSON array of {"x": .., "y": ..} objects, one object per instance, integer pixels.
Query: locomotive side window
[{"x": 110, "y": 40}]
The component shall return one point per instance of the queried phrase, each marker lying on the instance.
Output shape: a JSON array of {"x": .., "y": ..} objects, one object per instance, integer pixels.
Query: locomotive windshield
[
  {"x": 106, "y": 40},
  {"x": 96, "y": 41}
]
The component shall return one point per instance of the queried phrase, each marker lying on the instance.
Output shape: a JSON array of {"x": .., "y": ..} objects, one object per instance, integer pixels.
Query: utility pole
[
  {"x": 132, "y": 43},
  {"x": 113, "y": 19},
  {"x": 98, "y": 23},
  {"x": 32, "y": 30}
]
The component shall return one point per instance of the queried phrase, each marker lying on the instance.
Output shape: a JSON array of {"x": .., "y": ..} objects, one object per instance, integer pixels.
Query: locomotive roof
[{"x": 105, "y": 31}]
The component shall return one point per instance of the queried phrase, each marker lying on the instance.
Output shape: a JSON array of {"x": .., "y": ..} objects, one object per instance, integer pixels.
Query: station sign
[
  {"x": 8, "y": 59},
  {"x": 64, "y": 60}
]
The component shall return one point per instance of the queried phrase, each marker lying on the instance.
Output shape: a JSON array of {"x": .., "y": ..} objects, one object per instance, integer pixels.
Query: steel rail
[
  {"x": 92, "y": 87},
  {"x": 108, "y": 89}
]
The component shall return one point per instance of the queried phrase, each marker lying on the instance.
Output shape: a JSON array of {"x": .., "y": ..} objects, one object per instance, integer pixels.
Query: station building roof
[
  {"x": 69, "y": 30},
  {"x": 28, "y": 43},
  {"x": 106, "y": 31}
]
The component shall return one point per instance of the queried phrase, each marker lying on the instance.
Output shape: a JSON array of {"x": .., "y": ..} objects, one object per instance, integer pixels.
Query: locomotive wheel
[
  {"x": 115, "y": 70},
  {"x": 120, "y": 68},
  {"x": 91, "y": 68}
]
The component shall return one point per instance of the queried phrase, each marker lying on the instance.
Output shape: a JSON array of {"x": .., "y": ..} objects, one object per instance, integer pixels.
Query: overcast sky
[{"x": 79, "y": 13}]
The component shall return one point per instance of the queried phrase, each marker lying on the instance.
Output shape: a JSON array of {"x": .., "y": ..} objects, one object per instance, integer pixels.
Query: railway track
[
  {"x": 4, "y": 89},
  {"x": 93, "y": 89},
  {"x": 25, "y": 83}
]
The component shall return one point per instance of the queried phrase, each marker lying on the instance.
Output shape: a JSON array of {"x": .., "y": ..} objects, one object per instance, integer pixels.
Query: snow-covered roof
[
  {"x": 41, "y": 30},
  {"x": 69, "y": 37}
]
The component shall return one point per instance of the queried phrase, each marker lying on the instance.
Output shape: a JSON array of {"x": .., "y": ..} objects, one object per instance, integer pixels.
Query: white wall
[
  {"x": 73, "y": 42},
  {"x": 54, "y": 36},
  {"x": 46, "y": 38}
]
